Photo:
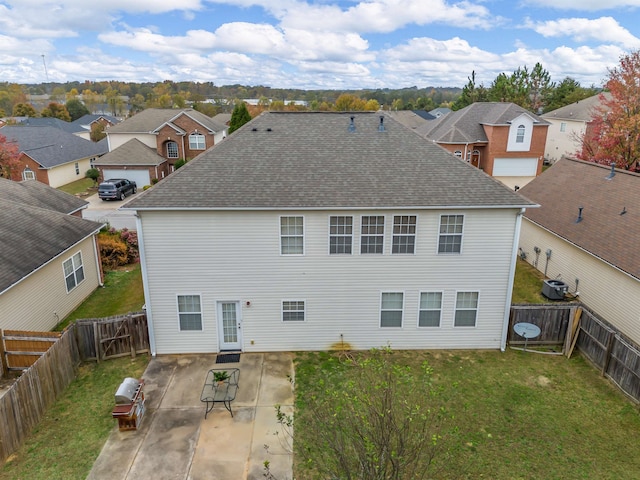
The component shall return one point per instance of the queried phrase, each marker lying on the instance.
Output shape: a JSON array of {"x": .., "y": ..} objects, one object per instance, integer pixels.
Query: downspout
[
  {"x": 145, "y": 286},
  {"x": 96, "y": 253},
  {"x": 512, "y": 274}
]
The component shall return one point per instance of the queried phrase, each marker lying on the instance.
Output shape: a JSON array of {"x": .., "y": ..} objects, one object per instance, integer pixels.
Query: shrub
[{"x": 113, "y": 252}]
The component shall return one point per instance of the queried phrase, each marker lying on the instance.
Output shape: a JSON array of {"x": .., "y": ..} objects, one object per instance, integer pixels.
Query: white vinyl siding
[
  {"x": 430, "y": 309},
  {"x": 73, "y": 271},
  {"x": 391, "y": 309},
  {"x": 189, "y": 312},
  {"x": 236, "y": 255},
  {"x": 293, "y": 311},
  {"x": 291, "y": 235}
]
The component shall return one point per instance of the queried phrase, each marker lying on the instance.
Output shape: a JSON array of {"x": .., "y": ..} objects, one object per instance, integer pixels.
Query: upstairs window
[
  {"x": 172, "y": 149},
  {"x": 291, "y": 235},
  {"x": 73, "y": 271},
  {"x": 28, "y": 174},
  {"x": 372, "y": 234},
  {"x": 520, "y": 134},
  {"x": 197, "y": 141},
  {"x": 340, "y": 235},
  {"x": 450, "y": 237},
  {"x": 563, "y": 126},
  {"x": 404, "y": 234},
  {"x": 458, "y": 153}
]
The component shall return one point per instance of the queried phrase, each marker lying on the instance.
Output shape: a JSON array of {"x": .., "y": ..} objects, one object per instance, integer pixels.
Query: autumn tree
[
  {"x": 97, "y": 132},
  {"x": 76, "y": 109},
  {"x": 350, "y": 103},
  {"x": 239, "y": 116},
  {"x": 56, "y": 110},
  {"x": 614, "y": 133},
  {"x": 9, "y": 159},
  {"x": 24, "y": 110}
]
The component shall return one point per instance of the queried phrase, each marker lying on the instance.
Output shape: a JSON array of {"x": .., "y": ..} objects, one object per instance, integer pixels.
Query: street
[{"x": 108, "y": 212}]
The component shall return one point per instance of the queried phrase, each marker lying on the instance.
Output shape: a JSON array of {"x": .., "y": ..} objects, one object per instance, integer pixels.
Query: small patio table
[{"x": 220, "y": 391}]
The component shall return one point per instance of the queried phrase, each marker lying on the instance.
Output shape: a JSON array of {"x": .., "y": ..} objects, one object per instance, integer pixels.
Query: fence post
[
  {"x": 607, "y": 353},
  {"x": 96, "y": 341},
  {"x": 131, "y": 336},
  {"x": 4, "y": 369}
]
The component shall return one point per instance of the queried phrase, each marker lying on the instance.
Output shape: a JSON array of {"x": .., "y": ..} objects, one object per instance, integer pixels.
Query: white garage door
[
  {"x": 141, "y": 177},
  {"x": 515, "y": 167}
]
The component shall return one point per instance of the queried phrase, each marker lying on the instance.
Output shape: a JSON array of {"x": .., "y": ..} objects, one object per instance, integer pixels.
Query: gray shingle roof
[
  {"x": 290, "y": 160},
  {"x": 36, "y": 236},
  {"x": 134, "y": 152},
  {"x": 580, "y": 111},
  {"x": 86, "y": 120},
  {"x": 465, "y": 125},
  {"x": 603, "y": 231},
  {"x": 50, "y": 146},
  {"x": 37, "y": 194},
  {"x": 68, "y": 127},
  {"x": 151, "y": 119}
]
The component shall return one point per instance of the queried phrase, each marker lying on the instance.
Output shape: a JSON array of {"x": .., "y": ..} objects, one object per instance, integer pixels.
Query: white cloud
[
  {"x": 603, "y": 29},
  {"x": 590, "y": 5}
]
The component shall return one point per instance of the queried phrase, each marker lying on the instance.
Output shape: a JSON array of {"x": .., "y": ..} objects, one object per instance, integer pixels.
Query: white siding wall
[
  {"x": 31, "y": 304},
  {"x": 63, "y": 174},
  {"x": 563, "y": 143},
  {"x": 117, "y": 139},
  {"x": 610, "y": 293},
  {"x": 236, "y": 256}
]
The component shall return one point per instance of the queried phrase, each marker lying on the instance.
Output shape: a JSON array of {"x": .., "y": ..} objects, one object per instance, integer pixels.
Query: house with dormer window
[
  {"x": 502, "y": 139},
  {"x": 308, "y": 230},
  {"x": 173, "y": 134}
]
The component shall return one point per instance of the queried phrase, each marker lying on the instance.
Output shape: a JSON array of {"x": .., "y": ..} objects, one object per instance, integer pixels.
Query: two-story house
[
  {"x": 311, "y": 231},
  {"x": 50, "y": 155},
  {"x": 173, "y": 133},
  {"x": 503, "y": 139}
]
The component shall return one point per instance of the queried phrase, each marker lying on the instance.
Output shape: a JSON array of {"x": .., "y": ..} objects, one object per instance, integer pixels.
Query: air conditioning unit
[{"x": 554, "y": 289}]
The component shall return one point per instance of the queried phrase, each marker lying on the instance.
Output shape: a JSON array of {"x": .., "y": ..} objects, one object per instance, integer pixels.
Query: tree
[
  {"x": 527, "y": 89},
  {"x": 614, "y": 133},
  {"x": 97, "y": 132},
  {"x": 76, "y": 109},
  {"x": 239, "y": 116},
  {"x": 93, "y": 174},
  {"x": 470, "y": 93},
  {"x": 24, "y": 110},
  {"x": 56, "y": 110},
  {"x": 350, "y": 103},
  {"x": 372, "y": 418},
  {"x": 9, "y": 159}
]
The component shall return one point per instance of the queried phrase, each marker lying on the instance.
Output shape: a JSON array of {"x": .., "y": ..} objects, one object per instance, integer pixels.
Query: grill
[{"x": 129, "y": 408}]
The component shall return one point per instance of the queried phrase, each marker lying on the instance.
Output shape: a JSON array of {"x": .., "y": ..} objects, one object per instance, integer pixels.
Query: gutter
[{"x": 512, "y": 274}]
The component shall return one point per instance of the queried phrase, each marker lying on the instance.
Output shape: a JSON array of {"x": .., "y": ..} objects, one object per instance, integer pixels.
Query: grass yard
[
  {"x": 122, "y": 293},
  {"x": 514, "y": 415},
  {"x": 82, "y": 186},
  {"x": 71, "y": 435},
  {"x": 527, "y": 284}
]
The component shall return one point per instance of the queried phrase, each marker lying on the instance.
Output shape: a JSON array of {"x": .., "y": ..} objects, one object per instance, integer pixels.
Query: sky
[{"x": 313, "y": 44}]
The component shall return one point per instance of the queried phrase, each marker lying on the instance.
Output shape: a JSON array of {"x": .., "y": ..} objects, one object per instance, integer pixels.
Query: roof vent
[
  {"x": 352, "y": 125},
  {"x": 624, "y": 210},
  {"x": 613, "y": 171},
  {"x": 254, "y": 129},
  {"x": 269, "y": 129},
  {"x": 381, "y": 126},
  {"x": 579, "y": 219}
]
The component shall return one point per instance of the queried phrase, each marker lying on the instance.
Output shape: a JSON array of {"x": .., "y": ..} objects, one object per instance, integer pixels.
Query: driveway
[
  {"x": 108, "y": 212},
  {"x": 175, "y": 441}
]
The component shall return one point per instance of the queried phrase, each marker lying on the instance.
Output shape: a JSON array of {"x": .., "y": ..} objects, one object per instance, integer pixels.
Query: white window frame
[
  {"x": 189, "y": 312},
  {"x": 368, "y": 235},
  {"x": 197, "y": 141},
  {"x": 290, "y": 234},
  {"x": 466, "y": 308},
  {"x": 520, "y": 133},
  {"x": 74, "y": 273},
  {"x": 384, "y": 310},
  {"x": 340, "y": 231},
  {"x": 404, "y": 232},
  {"x": 458, "y": 153},
  {"x": 563, "y": 127},
  {"x": 442, "y": 235},
  {"x": 294, "y": 307},
  {"x": 168, "y": 150},
  {"x": 430, "y": 309},
  {"x": 77, "y": 166},
  {"x": 28, "y": 174}
]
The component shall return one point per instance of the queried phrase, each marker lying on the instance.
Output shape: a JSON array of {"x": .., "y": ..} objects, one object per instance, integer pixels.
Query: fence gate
[
  {"x": 104, "y": 338},
  {"x": 22, "y": 348}
]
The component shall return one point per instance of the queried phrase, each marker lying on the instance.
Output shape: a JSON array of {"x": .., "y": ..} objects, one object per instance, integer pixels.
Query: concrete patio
[{"x": 175, "y": 441}]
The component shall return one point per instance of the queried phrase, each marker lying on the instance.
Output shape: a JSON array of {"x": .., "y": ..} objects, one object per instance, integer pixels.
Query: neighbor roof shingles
[
  {"x": 37, "y": 194},
  {"x": 151, "y": 119},
  {"x": 603, "y": 231},
  {"x": 133, "y": 152},
  {"x": 287, "y": 160}
]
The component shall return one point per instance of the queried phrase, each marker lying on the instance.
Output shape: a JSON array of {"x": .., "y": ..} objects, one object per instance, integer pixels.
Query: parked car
[{"x": 116, "y": 188}]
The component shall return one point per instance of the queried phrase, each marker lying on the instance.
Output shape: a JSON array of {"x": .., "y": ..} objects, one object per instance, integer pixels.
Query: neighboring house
[
  {"x": 567, "y": 125},
  {"x": 49, "y": 259},
  {"x": 440, "y": 111},
  {"x": 174, "y": 133},
  {"x": 50, "y": 155},
  {"x": 596, "y": 256},
  {"x": 85, "y": 123},
  {"x": 503, "y": 139},
  {"x": 134, "y": 161},
  {"x": 410, "y": 118},
  {"x": 311, "y": 231}
]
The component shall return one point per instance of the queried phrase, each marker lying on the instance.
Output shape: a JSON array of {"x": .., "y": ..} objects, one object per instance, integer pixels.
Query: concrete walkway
[{"x": 175, "y": 441}]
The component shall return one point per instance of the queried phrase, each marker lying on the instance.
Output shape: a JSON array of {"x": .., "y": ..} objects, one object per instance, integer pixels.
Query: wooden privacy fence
[
  {"x": 24, "y": 404},
  {"x": 615, "y": 356},
  {"x": 21, "y": 349},
  {"x": 103, "y": 338},
  {"x": 554, "y": 321}
]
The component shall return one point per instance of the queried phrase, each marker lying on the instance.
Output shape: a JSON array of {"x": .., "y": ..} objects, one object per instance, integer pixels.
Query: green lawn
[
  {"x": 513, "y": 415},
  {"x": 71, "y": 435},
  {"x": 84, "y": 185},
  {"x": 527, "y": 285},
  {"x": 122, "y": 293}
]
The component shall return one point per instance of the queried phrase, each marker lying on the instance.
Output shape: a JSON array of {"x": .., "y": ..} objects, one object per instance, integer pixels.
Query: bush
[{"x": 118, "y": 248}]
